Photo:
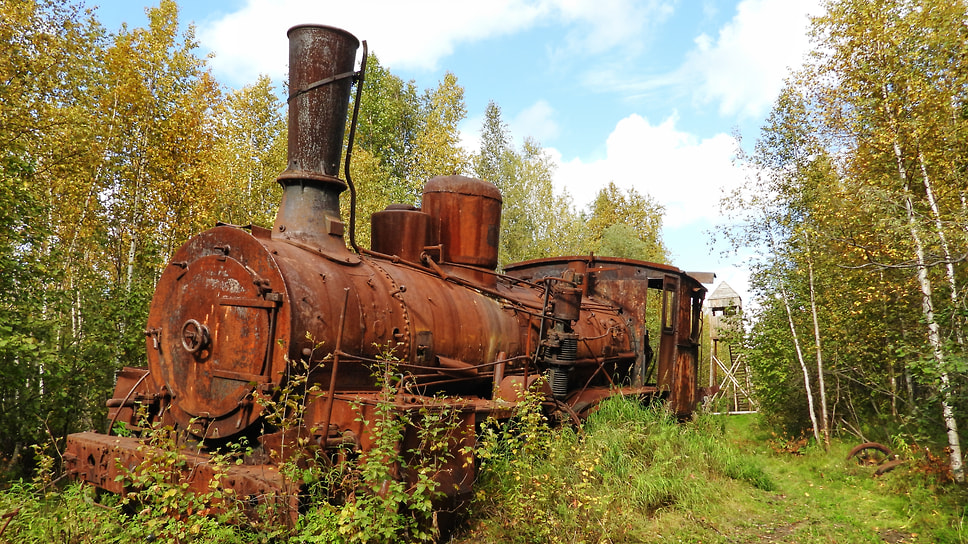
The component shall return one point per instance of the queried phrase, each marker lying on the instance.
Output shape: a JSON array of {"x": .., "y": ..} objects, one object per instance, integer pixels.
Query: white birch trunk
[
  {"x": 949, "y": 262},
  {"x": 782, "y": 296},
  {"x": 817, "y": 344},
  {"x": 934, "y": 333}
]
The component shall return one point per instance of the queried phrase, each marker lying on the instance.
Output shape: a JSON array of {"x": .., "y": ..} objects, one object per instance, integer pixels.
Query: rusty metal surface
[
  {"x": 634, "y": 286},
  {"x": 317, "y": 111},
  {"x": 109, "y": 461},
  {"x": 618, "y": 266},
  {"x": 321, "y": 73},
  {"x": 131, "y": 392},
  {"x": 870, "y": 453},
  {"x": 258, "y": 298},
  {"x": 684, "y": 381},
  {"x": 8, "y": 517},
  {"x": 468, "y": 212},
  {"x": 225, "y": 282},
  {"x": 402, "y": 230}
]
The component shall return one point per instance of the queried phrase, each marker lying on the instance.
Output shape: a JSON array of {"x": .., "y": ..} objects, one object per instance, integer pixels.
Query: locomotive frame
[{"x": 235, "y": 307}]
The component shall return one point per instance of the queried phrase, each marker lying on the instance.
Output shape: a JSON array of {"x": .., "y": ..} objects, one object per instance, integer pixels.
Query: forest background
[{"x": 117, "y": 147}]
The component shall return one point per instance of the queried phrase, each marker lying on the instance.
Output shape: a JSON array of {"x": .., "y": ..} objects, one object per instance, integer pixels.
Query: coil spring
[
  {"x": 569, "y": 349},
  {"x": 567, "y": 354},
  {"x": 558, "y": 376}
]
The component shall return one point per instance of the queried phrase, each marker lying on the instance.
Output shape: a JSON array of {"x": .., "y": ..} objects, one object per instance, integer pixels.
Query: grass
[
  {"x": 822, "y": 497},
  {"x": 638, "y": 476}
]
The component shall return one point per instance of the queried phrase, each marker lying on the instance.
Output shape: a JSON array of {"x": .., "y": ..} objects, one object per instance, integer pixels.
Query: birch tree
[
  {"x": 789, "y": 172},
  {"x": 625, "y": 224},
  {"x": 251, "y": 153},
  {"x": 49, "y": 64},
  {"x": 895, "y": 78},
  {"x": 436, "y": 148}
]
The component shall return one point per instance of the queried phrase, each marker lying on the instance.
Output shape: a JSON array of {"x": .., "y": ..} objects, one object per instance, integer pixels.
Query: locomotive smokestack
[{"x": 321, "y": 60}]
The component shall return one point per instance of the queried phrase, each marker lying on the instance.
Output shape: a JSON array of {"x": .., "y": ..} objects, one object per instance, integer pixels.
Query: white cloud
[
  {"x": 411, "y": 35},
  {"x": 535, "y": 121},
  {"x": 416, "y": 34},
  {"x": 741, "y": 68},
  {"x": 685, "y": 174},
  {"x": 744, "y": 67},
  {"x": 681, "y": 172},
  {"x": 613, "y": 23}
]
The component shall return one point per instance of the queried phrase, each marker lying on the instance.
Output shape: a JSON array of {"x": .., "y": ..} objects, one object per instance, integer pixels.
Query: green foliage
[
  {"x": 115, "y": 150},
  {"x": 156, "y": 173},
  {"x": 716, "y": 480},
  {"x": 536, "y": 221},
  {"x": 251, "y": 154},
  {"x": 49, "y": 64},
  {"x": 70, "y": 516},
  {"x": 513, "y": 484},
  {"x": 621, "y": 240},
  {"x": 389, "y": 118},
  {"x": 436, "y": 148},
  {"x": 626, "y": 225},
  {"x": 856, "y": 209},
  {"x": 160, "y": 492},
  {"x": 388, "y": 493},
  {"x": 391, "y": 494},
  {"x": 403, "y": 139},
  {"x": 493, "y": 161},
  {"x": 723, "y": 483}
]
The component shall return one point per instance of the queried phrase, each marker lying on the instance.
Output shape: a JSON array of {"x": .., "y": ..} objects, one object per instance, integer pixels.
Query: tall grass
[{"x": 630, "y": 462}]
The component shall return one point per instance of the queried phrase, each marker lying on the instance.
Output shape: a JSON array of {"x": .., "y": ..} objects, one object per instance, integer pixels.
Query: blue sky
[{"x": 647, "y": 93}]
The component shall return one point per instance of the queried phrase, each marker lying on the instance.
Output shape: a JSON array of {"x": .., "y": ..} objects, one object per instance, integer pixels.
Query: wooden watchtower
[{"x": 728, "y": 371}]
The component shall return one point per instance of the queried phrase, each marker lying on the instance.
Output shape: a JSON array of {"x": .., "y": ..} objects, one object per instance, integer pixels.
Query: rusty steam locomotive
[{"x": 236, "y": 306}]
